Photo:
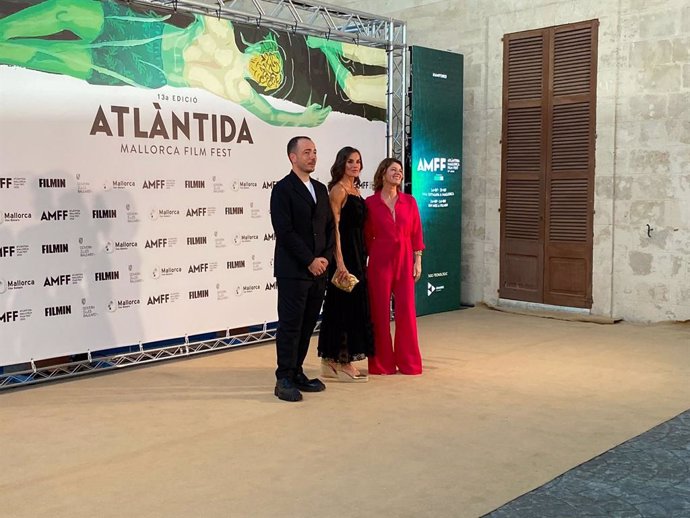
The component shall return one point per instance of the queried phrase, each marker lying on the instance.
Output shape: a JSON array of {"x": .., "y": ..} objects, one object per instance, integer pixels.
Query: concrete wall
[{"x": 643, "y": 140}]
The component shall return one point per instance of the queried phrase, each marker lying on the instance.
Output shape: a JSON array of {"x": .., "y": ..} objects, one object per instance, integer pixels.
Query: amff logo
[
  {"x": 5, "y": 183},
  {"x": 161, "y": 242},
  {"x": 438, "y": 164},
  {"x": 163, "y": 298},
  {"x": 198, "y": 268},
  {"x": 9, "y": 316},
  {"x": 153, "y": 184},
  {"x": 57, "y": 215},
  {"x": 197, "y": 212},
  {"x": 7, "y": 251},
  {"x": 433, "y": 165},
  {"x": 60, "y": 280}
]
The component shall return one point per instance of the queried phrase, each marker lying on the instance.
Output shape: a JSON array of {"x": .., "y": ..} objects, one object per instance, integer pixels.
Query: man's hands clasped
[{"x": 318, "y": 266}]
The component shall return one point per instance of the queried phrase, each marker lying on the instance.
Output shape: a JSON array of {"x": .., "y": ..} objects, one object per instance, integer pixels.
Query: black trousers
[{"x": 299, "y": 304}]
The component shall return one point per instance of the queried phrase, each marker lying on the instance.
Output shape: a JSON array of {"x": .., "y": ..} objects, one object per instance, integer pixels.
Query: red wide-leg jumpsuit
[{"x": 391, "y": 243}]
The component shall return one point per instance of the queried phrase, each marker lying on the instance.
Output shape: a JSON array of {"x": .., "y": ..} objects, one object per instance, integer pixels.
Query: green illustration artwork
[{"x": 115, "y": 43}]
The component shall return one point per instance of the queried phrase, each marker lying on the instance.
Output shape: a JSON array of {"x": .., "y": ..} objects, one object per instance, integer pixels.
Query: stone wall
[{"x": 642, "y": 188}]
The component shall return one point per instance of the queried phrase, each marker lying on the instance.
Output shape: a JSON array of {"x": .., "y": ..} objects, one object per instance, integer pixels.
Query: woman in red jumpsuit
[{"x": 393, "y": 234}]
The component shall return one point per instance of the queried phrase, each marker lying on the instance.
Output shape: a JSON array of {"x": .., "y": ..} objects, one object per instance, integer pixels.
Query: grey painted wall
[{"x": 643, "y": 140}]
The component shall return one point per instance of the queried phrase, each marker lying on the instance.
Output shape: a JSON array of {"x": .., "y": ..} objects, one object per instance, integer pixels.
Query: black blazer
[{"x": 304, "y": 229}]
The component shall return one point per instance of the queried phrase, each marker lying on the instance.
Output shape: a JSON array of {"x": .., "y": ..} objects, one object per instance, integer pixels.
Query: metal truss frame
[
  {"x": 141, "y": 356},
  {"x": 304, "y": 17}
]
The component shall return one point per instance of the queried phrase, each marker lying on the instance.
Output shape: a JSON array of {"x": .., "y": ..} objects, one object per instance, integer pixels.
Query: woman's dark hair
[
  {"x": 381, "y": 170},
  {"x": 338, "y": 167}
]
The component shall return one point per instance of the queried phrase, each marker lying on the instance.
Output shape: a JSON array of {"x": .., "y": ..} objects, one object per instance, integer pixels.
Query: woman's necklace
[
  {"x": 390, "y": 203},
  {"x": 350, "y": 189}
]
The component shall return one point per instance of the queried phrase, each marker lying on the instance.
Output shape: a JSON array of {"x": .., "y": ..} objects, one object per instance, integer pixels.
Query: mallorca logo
[
  {"x": 165, "y": 271},
  {"x": 17, "y": 284},
  {"x": 114, "y": 305},
  {"x": 12, "y": 217},
  {"x": 118, "y": 184},
  {"x": 119, "y": 246},
  {"x": 245, "y": 238},
  {"x": 247, "y": 288},
  {"x": 3, "y": 286},
  {"x": 155, "y": 213},
  {"x": 241, "y": 185}
]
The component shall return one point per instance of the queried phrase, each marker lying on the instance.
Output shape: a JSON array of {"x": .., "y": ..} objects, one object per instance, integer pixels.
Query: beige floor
[{"x": 507, "y": 402}]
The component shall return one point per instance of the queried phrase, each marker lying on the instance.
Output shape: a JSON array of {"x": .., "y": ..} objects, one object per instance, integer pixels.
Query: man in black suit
[{"x": 303, "y": 225}]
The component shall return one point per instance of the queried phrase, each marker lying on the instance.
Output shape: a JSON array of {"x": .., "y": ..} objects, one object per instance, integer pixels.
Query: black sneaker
[
  {"x": 287, "y": 391},
  {"x": 306, "y": 385}
]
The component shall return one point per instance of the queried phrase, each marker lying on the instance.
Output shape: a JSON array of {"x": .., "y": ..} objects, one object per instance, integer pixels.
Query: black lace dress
[{"x": 346, "y": 332}]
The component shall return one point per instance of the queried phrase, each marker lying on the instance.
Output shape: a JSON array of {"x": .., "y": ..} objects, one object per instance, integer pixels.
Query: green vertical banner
[{"x": 436, "y": 173}]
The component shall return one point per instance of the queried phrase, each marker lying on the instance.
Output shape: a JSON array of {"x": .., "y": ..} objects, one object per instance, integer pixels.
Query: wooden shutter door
[
  {"x": 522, "y": 166},
  {"x": 569, "y": 175}
]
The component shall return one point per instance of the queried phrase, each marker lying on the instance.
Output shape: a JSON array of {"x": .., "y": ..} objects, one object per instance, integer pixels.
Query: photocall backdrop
[
  {"x": 137, "y": 155},
  {"x": 436, "y": 173}
]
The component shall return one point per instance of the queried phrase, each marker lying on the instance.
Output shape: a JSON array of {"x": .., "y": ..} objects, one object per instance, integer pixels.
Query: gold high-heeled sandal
[
  {"x": 346, "y": 377},
  {"x": 328, "y": 370}
]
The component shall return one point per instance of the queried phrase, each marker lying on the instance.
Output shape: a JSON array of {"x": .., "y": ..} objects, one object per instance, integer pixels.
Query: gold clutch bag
[{"x": 348, "y": 285}]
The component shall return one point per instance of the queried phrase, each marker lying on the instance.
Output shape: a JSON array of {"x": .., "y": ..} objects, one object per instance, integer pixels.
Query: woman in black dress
[{"x": 346, "y": 332}]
